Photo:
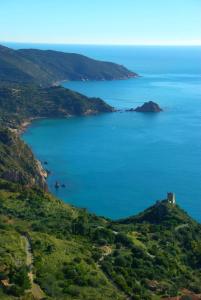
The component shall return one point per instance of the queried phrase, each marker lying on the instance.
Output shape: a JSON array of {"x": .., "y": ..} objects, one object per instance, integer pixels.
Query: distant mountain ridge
[{"x": 47, "y": 67}]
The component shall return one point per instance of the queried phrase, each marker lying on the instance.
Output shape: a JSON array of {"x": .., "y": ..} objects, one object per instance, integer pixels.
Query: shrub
[
  {"x": 124, "y": 240},
  {"x": 120, "y": 261}
]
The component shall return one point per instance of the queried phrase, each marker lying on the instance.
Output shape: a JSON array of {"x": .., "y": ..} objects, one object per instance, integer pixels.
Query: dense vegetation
[
  {"x": 23, "y": 102},
  {"x": 48, "y": 67}
]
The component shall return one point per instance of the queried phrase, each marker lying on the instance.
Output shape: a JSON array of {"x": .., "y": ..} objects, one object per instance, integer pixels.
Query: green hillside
[
  {"x": 23, "y": 102},
  {"x": 48, "y": 67}
]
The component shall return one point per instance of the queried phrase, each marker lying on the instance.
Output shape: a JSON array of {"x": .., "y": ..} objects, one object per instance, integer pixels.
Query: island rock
[{"x": 148, "y": 107}]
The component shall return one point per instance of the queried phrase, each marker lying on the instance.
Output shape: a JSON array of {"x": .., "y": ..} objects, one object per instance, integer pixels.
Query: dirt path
[
  {"x": 35, "y": 288},
  {"x": 181, "y": 226}
]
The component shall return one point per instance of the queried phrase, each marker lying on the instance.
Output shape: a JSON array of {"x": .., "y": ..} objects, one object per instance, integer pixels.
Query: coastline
[
  {"x": 25, "y": 124},
  {"x": 42, "y": 171},
  {"x": 19, "y": 131},
  {"x": 23, "y": 127}
]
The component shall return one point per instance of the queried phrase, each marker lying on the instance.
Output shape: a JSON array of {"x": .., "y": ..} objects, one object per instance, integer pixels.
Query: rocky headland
[{"x": 48, "y": 67}]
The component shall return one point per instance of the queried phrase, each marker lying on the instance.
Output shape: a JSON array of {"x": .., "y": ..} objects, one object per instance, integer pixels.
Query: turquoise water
[{"x": 118, "y": 164}]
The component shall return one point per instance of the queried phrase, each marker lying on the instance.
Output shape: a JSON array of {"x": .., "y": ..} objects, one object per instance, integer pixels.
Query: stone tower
[{"x": 171, "y": 198}]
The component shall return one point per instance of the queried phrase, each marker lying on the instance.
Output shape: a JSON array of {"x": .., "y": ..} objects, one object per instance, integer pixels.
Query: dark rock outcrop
[{"x": 149, "y": 107}]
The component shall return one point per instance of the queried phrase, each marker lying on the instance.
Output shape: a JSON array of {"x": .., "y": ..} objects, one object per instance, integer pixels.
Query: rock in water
[
  {"x": 148, "y": 107},
  {"x": 57, "y": 185}
]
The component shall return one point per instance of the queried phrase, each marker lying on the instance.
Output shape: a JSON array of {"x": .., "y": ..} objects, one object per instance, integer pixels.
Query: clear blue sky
[{"x": 101, "y": 21}]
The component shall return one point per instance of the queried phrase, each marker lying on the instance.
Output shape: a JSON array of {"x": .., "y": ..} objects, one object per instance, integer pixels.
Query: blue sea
[{"x": 118, "y": 164}]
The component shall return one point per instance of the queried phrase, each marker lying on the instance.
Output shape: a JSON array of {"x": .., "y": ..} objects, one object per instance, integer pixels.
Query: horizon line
[{"x": 102, "y": 44}]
